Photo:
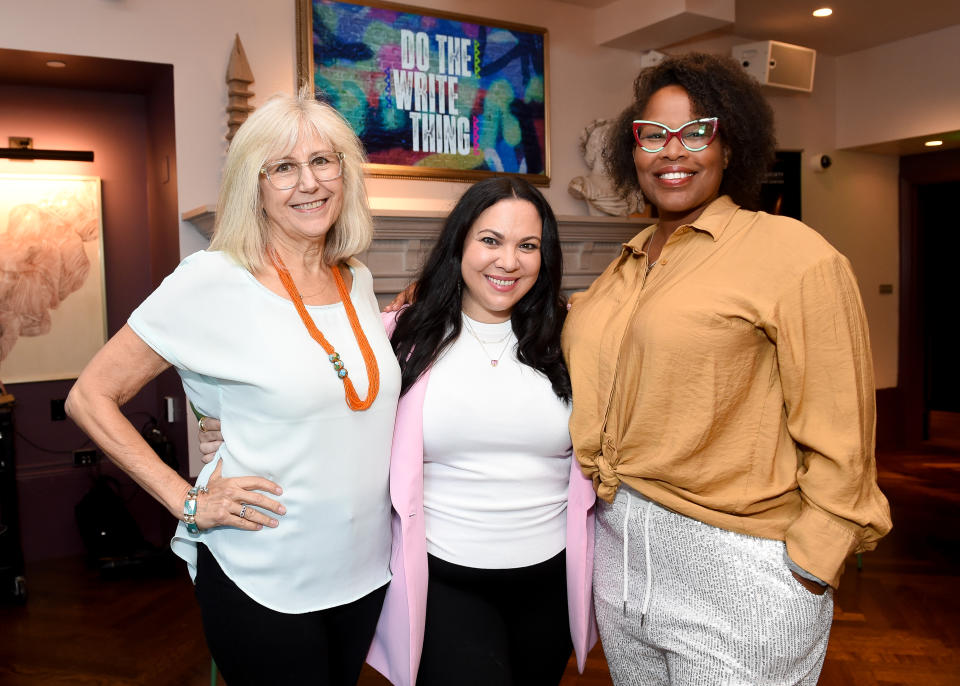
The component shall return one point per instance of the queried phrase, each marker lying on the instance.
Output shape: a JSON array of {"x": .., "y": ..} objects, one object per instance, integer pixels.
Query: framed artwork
[
  {"x": 52, "y": 296},
  {"x": 432, "y": 95}
]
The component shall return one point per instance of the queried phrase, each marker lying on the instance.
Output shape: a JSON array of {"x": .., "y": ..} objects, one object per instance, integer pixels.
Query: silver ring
[
  {"x": 243, "y": 509},
  {"x": 200, "y": 422}
]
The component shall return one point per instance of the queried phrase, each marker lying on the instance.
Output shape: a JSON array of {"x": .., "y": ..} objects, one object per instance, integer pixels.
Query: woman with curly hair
[{"x": 723, "y": 402}]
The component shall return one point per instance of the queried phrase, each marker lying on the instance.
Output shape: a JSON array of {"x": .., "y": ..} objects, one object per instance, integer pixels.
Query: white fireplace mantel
[{"x": 402, "y": 239}]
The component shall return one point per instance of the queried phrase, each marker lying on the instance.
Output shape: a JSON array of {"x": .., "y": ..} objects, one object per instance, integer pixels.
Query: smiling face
[
  {"x": 678, "y": 182},
  {"x": 501, "y": 259},
  {"x": 300, "y": 217}
]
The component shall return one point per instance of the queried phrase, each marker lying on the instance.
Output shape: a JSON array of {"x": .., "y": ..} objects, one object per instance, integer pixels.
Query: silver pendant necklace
[
  {"x": 494, "y": 361},
  {"x": 646, "y": 248}
]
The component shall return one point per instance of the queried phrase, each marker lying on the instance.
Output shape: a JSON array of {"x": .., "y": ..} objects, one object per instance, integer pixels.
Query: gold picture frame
[{"x": 407, "y": 80}]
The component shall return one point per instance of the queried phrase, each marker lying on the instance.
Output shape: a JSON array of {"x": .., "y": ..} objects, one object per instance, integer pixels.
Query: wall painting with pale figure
[{"x": 52, "y": 295}]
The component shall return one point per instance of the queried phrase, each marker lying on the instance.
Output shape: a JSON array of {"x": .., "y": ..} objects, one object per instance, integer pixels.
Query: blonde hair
[{"x": 241, "y": 228}]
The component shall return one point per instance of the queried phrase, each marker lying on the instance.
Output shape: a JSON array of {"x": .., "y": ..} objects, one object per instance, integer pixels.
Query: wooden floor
[{"x": 897, "y": 620}]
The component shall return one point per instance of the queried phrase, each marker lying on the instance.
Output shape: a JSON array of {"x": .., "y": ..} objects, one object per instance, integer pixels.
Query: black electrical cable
[
  {"x": 52, "y": 451},
  {"x": 60, "y": 451}
]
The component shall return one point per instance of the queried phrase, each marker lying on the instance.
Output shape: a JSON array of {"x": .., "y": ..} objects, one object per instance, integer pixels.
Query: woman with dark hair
[
  {"x": 487, "y": 500},
  {"x": 492, "y": 519},
  {"x": 724, "y": 402}
]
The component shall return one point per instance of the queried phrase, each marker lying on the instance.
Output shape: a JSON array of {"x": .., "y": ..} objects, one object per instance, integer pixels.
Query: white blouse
[{"x": 245, "y": 356}]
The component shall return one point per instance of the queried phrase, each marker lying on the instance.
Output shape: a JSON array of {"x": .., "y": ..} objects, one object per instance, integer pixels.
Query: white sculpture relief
[{"x": 596, "y": 188}]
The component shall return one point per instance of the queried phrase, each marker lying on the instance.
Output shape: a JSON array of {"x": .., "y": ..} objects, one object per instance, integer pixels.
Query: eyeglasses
[
  {"x": 285, "y": 174},
  {"x": 652, "y": 136}
]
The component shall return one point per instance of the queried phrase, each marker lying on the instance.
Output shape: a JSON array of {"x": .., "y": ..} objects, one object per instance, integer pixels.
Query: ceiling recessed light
[
  {"x": 823, "y": 12},
  {"x": 933, "y": 144},
  {"x": 56, "y": 64}
]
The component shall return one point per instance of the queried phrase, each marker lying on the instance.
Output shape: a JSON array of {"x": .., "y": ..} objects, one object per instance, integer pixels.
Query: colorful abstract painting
[{"x": 432, "y": 95}]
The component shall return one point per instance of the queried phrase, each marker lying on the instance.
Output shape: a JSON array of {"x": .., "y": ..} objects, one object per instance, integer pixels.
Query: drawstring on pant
[
  {"x": 646, "y": 554},
  {"x": 626, "y": 541},
  {"x": 646, "y": 551}
]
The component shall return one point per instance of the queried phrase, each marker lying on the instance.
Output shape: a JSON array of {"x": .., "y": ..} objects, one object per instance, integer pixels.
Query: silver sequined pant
[{"x": 700, "y": 605}]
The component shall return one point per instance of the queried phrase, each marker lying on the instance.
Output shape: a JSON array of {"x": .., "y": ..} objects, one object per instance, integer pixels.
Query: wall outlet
[
  {"x": 84, "y": 458},
  {"x": 57, "y": 411}
]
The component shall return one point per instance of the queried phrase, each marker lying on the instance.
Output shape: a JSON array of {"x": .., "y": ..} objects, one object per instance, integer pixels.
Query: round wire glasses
[{"x": 285, "y": 174}]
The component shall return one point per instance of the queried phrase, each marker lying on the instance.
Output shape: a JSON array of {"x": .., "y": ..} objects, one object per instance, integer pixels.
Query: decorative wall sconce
[{"x": 21, "y": 148}]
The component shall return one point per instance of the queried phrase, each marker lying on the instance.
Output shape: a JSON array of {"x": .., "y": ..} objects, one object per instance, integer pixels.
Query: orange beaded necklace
[{"x": 369, "y": 360}]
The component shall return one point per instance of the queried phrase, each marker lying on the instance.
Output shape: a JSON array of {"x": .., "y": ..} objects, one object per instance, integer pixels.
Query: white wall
[
  {"x": 855, "y": 205},
  {"x": 900, "y": 90}
]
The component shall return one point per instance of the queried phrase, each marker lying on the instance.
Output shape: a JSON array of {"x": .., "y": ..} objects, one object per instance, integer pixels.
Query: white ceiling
[{"x": 855, "y": 24}]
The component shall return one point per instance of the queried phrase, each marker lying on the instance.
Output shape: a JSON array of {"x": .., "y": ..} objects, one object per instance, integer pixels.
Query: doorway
[
  {"x": 940, "y": 246},
  {"x": 930, "y": 242}
]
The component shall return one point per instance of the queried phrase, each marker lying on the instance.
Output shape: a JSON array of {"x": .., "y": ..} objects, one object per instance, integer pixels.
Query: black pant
[
  {"x": 255, "y": 645},
  {"x": 496, "y": 627}
]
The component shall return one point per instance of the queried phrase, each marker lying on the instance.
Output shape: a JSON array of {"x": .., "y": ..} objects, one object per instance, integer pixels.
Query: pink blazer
[{"x": 398, "y": 642}]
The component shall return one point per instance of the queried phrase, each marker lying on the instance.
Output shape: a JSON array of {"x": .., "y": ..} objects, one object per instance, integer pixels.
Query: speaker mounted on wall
[{"x": 777, "y": 64}]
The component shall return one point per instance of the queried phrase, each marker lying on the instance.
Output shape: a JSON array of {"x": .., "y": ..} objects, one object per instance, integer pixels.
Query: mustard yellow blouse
[{"x": 733, "y": 384}]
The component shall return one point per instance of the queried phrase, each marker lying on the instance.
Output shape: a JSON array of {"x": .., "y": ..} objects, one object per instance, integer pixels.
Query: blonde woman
[{"x": 275, "y": 329}]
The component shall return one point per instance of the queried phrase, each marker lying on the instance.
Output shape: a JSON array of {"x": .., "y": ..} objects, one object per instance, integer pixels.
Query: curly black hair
[{"x": 718, "y": 87}]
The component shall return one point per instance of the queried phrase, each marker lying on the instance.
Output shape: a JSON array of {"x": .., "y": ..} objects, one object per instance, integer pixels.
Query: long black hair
[
  {"x": 717, "y": 87},
  {"x": 433, "y": 321}
]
